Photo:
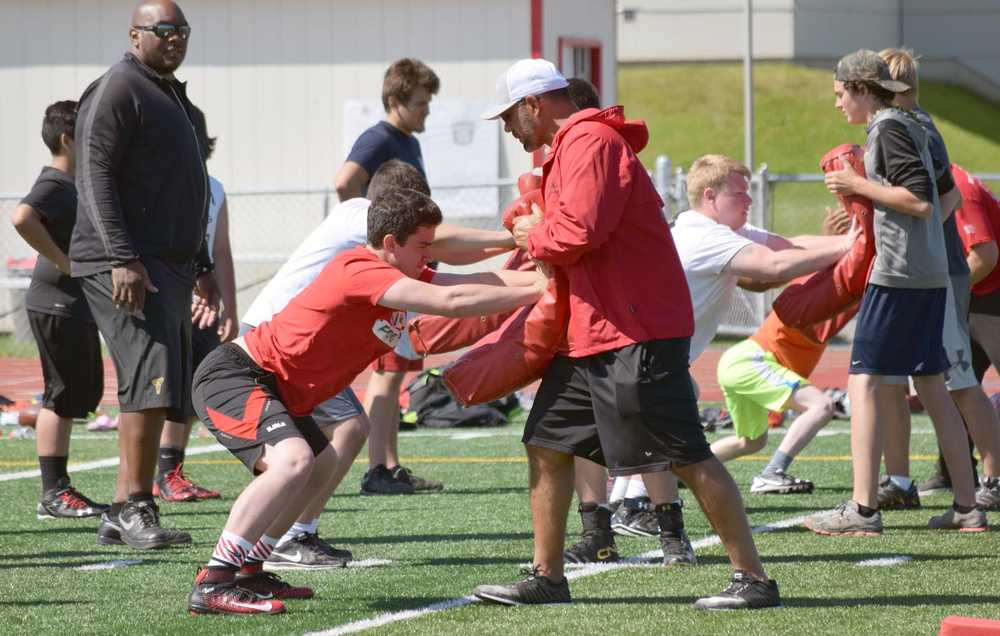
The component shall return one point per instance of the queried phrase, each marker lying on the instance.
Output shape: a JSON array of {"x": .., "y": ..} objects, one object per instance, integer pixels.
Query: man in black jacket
[{"x": 138, "y": 249}]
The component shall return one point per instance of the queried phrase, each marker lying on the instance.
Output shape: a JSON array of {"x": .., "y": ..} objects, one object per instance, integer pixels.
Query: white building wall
[
  {"x": 271, "y": 75},
  {"x": 584, "y": 19},
  {"x": 695, "y": 30}
]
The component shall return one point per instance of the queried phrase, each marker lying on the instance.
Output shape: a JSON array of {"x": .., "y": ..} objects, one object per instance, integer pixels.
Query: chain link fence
[
  {"x": 265, "y": 228},
  {"x": 267, "y": 225}
]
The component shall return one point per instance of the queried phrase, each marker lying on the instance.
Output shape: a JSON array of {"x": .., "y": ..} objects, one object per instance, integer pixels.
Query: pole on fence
[
  {"x": 748, "y": 89},
  {"x": 661, "y": 179},
  {"x": 680, "y": 190},
  {"x": 762, "y": 202}
]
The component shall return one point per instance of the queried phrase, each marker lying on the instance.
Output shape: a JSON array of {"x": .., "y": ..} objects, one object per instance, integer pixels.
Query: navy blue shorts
[{"x": 899, "y": 332}]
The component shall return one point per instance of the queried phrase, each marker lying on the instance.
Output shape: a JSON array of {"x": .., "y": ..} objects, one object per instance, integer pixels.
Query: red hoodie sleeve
[{"x": 585, "y": 204}]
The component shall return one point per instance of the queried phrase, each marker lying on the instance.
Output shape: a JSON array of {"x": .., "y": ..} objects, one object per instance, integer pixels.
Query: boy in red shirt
[{"x": 256, "y": 393}]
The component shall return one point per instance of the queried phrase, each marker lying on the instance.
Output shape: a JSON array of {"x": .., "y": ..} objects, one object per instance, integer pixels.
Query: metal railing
[{"x": 267, "y": 225}]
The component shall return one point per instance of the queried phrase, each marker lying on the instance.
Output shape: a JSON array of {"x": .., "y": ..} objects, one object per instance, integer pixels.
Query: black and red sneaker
[
  {"x": 268, "y": 584},
  {"x": 66, "y": 502},
  {"x": 174, "y": 486},
  {"x": 216, "y": 592},
  {"x": 201, "y": 492}
]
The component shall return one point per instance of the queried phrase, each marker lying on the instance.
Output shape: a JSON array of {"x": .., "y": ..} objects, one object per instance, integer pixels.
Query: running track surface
[{"x": 21, "y": 378}]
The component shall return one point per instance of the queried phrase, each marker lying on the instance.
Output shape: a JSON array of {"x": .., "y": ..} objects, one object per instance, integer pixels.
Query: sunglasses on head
[{"x": 164, "y": 30}]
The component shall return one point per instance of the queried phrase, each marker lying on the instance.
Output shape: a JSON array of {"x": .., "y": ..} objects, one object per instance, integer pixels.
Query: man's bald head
[
  {"x": 163, "y": 55},
  {"x": 150, "y": 12}
]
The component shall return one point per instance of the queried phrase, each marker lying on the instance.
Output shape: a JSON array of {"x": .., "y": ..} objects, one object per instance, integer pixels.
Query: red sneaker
[
  {"x": 174, "y": 486},
  {"x": 215, "y": 592},
  {"x": 268, "y": 584}
]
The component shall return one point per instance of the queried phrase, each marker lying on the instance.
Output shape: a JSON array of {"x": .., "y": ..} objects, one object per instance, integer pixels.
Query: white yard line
[
  {"x": 104, "y": 463},
  {"x": 588, "y": 570}
]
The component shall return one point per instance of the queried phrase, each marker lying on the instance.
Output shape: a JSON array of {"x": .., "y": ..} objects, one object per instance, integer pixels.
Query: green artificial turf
[{"x": 478, "y": 531}]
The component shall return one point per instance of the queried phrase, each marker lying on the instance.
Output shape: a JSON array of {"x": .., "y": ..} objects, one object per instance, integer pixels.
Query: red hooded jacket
[{"x": 604, "y": 227}]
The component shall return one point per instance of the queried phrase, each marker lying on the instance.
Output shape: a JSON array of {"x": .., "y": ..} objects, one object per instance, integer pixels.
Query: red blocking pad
[{"x": 967, "y": 626}]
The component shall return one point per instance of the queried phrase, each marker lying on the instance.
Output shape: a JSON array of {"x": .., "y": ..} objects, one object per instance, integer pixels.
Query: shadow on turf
[
  {"x": 40, "y": 603},
  {"x": 92, "y": 557},
  {"x": 435, "y": 538},
  {"x": 903, "y": 600}
]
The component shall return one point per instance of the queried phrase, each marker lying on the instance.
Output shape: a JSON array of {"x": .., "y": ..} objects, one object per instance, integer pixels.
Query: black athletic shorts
[
  {"x": 631, "y": 409},
  {"x": 151, "y": 349},
  {"x": 239, "y": 402},
  {"x": 70, "y": 352}
]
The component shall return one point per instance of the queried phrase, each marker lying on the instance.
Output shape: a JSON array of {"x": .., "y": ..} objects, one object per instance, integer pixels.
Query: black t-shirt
[
  {"x": 899, "y": 160},
  {"x": 383, "y": 142},
  {"x": 53, "y": 198}
]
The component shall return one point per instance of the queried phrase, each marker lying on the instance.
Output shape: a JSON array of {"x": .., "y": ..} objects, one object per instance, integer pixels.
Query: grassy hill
[{"x": 693, "y": 109}]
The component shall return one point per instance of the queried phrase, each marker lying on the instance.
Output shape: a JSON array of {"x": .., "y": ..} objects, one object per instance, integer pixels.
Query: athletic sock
[
  {"x": 53, "y": 469},
  {"x": 618, "y": 489},
  {"x": 168, "y": 459},
  {"x": 115, "y": 510},
  {"x": 230, "y": 552},
  {"x": 779, "y": 463},
  {"x": 865, "y": 511},
  {"x": 636, "y": 489},
  {"x": 261, "y": 550},
  {"x": 299, "y": 528},
  {"x": 902, "y": 481},
  {"x": 962, "y": 509}
]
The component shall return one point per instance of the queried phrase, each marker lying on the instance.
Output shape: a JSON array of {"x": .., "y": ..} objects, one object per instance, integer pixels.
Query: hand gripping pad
[
  {"x": 442, "y": 334},
  {"x": 516, "y": 354},
  {"x": 824, "y": 295}
]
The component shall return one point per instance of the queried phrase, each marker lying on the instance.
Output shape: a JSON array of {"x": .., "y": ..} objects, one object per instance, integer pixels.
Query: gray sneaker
[
  {"x": 951, "y": 519},
  {"x": 779, "y": 483},
  {"x": 845, "y": 520},
  {"x": 988, "y": 495},
  {"x": 533, "y": 590},
  {"x": 306, "y": 551}
]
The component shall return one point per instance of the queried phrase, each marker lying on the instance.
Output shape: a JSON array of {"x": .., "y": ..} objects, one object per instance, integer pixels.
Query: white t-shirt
[
  {"x": 705, "y": 248},
  {"x": 346, "y": 227},
  {"x": 217, "y": 194}
]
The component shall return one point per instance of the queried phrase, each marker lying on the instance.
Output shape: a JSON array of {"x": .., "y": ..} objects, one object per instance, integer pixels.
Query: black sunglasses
[{"x": 164, "y": 30}]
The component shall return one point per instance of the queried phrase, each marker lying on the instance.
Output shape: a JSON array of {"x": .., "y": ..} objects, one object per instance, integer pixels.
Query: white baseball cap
[{"x": 524, "y": 78}]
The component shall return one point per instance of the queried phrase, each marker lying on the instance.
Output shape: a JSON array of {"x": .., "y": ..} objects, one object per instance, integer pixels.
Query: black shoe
[
  {"x": 533, "y": 590},
  {"x": 307, "y": 551},
  {"x": 677, "y": 548},
  {"x": 110, "y": 531},
  {"x": 743, "y": 592},
  {"x": 635, "y": 518},
  {"x": 65, "y": 502},
  {"x": 597, "y": 543},
  {"x": 379, "y": 481},
  {"x": 419, "y": 484},
  {"x": 892, "y": 497},
  {"x": 140, "y": 527}
]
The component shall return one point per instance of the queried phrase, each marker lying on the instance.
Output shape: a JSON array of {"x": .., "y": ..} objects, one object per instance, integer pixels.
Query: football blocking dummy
[
  {"x": 520, "y": 351},
  {"x": 829, "y": 292},
  {"x": 440, "y": 334}
]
